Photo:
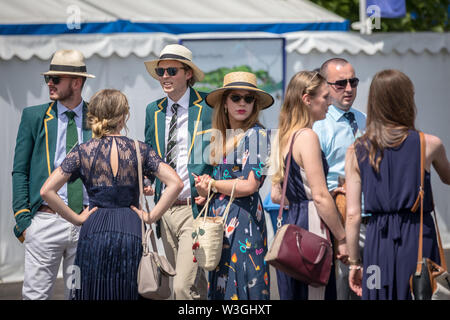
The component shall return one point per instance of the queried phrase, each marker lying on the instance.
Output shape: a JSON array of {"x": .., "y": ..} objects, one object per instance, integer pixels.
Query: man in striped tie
[
  {"x": 46, "y": 134},
  {"x": 177, "y": 127},
  {"x": 342, "y": 125}
]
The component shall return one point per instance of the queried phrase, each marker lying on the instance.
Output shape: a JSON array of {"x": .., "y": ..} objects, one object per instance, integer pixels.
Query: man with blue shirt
[
  {"x": 342, "y": 125},
  {"x": 47, "y": 132}
]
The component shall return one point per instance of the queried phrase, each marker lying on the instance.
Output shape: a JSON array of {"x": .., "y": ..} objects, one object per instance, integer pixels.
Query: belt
[
  {"x": 365, "y": 220},
  {"x": 184, "y": 202},
  {"x": 45, "y": 208}
]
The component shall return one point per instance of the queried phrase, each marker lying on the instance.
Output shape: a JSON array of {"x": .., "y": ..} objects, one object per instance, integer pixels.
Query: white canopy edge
[
  {"x": 354, "y": 43},
  {"x": 145, "y": 44}
]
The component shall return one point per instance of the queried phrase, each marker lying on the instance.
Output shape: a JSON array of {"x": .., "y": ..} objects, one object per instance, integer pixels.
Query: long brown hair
[
  {"x": 391, "y": 112},
  {"x": 221, "y": 123},
  {"x": 294, "y": 115}
]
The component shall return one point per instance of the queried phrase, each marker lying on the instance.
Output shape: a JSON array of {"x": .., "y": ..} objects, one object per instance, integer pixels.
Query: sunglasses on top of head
[
  {"x": 55, "y": 79},
  {"x": 247, "y": 98},
  {"x": 171, "y": 71},
  {"x": 342, "y": 84}
]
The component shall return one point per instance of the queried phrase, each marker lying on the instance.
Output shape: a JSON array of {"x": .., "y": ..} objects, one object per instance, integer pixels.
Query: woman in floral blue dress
[{"x": 240, "y": 158}]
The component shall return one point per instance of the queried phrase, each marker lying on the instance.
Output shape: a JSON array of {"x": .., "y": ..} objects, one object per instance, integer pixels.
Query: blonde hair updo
[{"x": 108, "y": 112}]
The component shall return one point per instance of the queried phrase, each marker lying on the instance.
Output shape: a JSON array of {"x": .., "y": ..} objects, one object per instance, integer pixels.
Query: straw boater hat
[
  {"x": 68, "y": 62},
  {"x": 240, "y": 81},
  {"x": 175, "y": 52}
]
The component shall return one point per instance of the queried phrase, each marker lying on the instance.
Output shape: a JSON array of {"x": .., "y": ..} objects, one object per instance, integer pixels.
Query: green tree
[
  {"x": 214, "y": 79},
  {"x": 429, "y": 15}
]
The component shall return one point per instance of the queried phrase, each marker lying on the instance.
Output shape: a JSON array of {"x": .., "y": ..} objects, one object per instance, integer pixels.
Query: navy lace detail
[{"x": 90, "y": 161}]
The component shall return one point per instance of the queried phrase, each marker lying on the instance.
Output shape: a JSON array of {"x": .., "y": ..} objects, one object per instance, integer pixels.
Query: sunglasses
[
  {"x": 55, "y": 79},
  {"x": 342, "y": 84},
  {"x": 247, "y": 98},
  {"x": 171, "y": 71}
]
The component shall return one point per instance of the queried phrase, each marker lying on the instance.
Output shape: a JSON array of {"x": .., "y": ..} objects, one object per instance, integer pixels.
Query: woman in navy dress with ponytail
[{"x": 384, "y": 164}]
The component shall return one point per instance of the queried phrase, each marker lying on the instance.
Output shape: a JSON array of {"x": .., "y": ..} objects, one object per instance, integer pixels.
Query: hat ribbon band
[
  {"x": 173, "y": 56},
  {"x": 246, "y": 84},
  {"x": 58, "y": 67}
]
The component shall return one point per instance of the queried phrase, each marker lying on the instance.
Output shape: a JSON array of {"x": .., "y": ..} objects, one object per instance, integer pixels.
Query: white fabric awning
[
  {"x": 144, "y": 45},
  {"x": 354, "y": 43}
]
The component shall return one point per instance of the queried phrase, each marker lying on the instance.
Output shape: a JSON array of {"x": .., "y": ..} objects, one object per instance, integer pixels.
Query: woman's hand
[
  {"x": 355, "y": 279},
  {"x": 200, "y": 201},
  {"x": 83, "y": 216},
  {"x": 143, "y": 215},
  {"x": 342, "y": 252},
  {"x": 201, "y": 184}
]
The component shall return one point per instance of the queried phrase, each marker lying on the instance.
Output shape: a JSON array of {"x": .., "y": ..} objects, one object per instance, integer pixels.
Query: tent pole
[{"x": 363, "y": 17}]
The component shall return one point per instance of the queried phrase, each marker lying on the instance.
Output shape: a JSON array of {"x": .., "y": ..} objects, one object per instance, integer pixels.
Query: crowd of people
[{"x": 76, "y": 192}]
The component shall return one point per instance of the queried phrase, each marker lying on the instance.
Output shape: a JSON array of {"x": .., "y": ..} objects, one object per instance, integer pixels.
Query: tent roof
[
  {"x": 107, "y": 27},
  {"x": 26, "y": 17}
]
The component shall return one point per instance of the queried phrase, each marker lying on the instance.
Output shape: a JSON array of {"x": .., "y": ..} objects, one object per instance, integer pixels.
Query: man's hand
[
  {"x": 148, "y": 191},
  {"x": 338, "y": 190}
]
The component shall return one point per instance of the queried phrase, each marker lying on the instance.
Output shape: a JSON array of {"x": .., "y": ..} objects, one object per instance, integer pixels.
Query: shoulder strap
[
  {"x": 414, "y": 208},
  {"x": 141, "y": 196},
  {"x": 285, "y": 179}
]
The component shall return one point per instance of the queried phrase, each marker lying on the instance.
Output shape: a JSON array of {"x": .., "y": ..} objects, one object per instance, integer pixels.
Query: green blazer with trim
[
  {"x": 199, "y": 127},
  {"x": 33, "y": 159}
]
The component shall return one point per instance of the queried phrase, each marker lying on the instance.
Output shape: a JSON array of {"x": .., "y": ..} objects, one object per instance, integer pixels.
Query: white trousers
[{"x": 48, "y": 239}]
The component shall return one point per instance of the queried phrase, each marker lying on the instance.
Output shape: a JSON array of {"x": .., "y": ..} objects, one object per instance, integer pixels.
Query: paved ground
[{"x": 13, "y": 291}]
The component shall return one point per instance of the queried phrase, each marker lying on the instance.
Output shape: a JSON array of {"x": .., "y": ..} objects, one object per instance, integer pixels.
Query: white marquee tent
[{"x": 117, "y": 37}]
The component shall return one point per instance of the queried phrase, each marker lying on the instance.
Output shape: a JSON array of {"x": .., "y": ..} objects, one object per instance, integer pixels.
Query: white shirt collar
[{"x": 183, "y": 102}]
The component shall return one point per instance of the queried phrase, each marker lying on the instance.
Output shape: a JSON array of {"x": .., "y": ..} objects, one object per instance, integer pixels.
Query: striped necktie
[
  {"x": 75, "y": 188},
  {"x": 351, "y": 118},
  {"x": 172, "y": 148}
]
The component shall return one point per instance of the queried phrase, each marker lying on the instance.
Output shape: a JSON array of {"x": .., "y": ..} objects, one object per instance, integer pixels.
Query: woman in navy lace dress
[{"x": 109, "y": 247}]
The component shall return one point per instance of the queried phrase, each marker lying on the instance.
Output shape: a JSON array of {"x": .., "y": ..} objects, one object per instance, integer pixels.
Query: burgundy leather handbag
[{"x": 299, "y": 253}]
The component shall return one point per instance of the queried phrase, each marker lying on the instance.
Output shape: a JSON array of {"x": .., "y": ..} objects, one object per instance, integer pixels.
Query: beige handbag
[
  {"x": 208, "y": 234},
  {"x": 154, "y": 271}
]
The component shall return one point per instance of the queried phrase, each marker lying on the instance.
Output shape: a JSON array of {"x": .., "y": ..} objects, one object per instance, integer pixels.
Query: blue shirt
[
  {"x": 60, "y": 153},
  {"x": 335, "y": 136}
]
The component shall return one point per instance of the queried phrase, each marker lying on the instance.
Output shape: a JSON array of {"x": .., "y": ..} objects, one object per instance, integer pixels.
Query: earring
[{"x": 226, "y": 110}]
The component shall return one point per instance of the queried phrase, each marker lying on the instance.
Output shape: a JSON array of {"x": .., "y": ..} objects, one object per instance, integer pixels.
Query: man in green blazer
[
  {"x": 178, "y": 127},
  {"x": 46, "y": 133}
]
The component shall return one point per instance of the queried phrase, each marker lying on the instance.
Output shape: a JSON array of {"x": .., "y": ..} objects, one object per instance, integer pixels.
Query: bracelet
[
  {"x": 354, "y": 267},
  {"x": 356, "y": 262},
  {"x": 212, "y": 185}
]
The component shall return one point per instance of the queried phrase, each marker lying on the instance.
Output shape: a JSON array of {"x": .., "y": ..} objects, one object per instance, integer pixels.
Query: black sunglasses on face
[
  {"x": 342, "y": 84},
  {"x": 55, "y": 79},
  {"x": 247, "y": 98},
  {"x": 171, "y": 71}
]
